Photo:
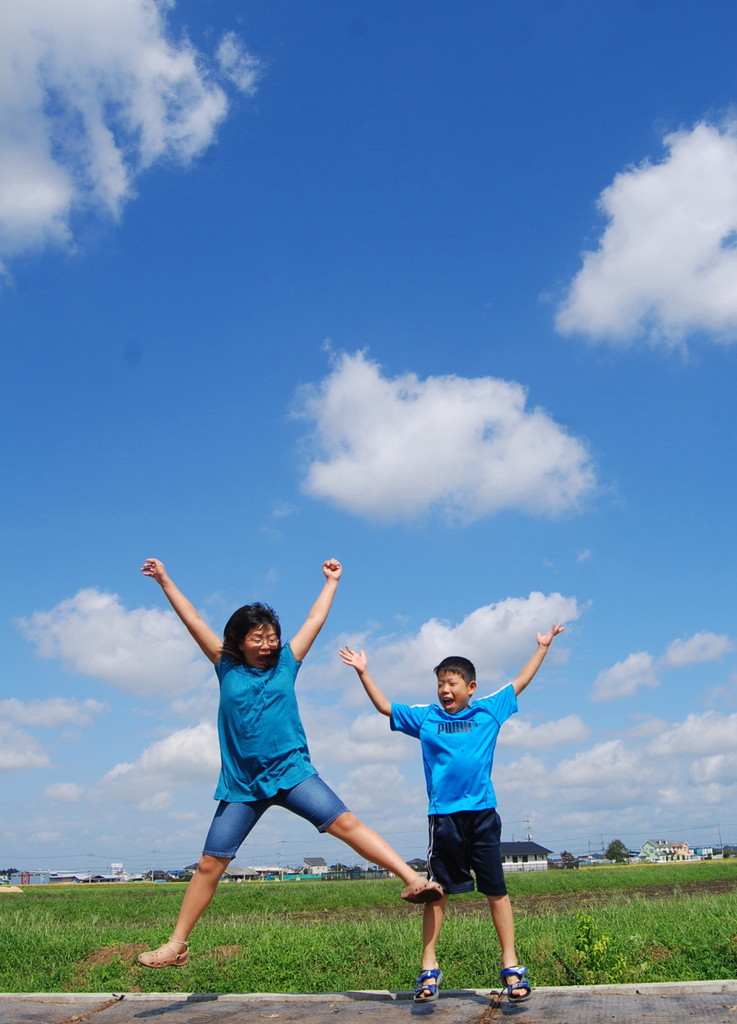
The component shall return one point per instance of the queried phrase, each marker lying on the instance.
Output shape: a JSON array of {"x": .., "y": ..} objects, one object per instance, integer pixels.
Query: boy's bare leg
[
  {"x": 432, "y": 922},
  {"x": 372, "y": 847},
  {"x": 501, "y": 915}
]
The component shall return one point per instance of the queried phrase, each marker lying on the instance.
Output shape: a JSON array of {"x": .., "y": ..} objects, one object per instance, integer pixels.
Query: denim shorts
[
  {"x": 311, "y": 799},
  {"x": 463, "y": 842}
]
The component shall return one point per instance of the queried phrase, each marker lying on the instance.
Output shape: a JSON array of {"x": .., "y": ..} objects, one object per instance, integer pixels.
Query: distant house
[
  {"x": 418, "y": 865},
  {"x": 30, "y": 878},
  {"x": 524, "y": 856},
  {"x": 314, "y": 866},
  {"x": 660, "y": 851}
]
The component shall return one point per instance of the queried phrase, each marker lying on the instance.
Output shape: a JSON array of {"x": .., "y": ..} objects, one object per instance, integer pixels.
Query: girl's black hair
[{"x": 241, "y": 622}]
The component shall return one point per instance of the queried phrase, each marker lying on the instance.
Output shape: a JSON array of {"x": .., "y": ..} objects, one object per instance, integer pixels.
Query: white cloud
[
  {"x": 50, "y": 713},
  {"x": 521, "y": 733},
  {"x": 19, "y": 750},
  {"x": 64, "y": 792},
  {"x": 698, "y": 648},
  {"x": 185, "y": 757},
  {"x": 709, "y": 733},
  {"x": 639, "y": 670},
  {"x": 367, "y": 740},
  {"x": 391, "y": 449},
  {"x": 625, "y": 678},
  {"x": 666, "y": 264},
  {"x": 366, "y": 790},
  {"x": 237, "y": 64},
  {"x": 45, "y": 837},
  {"x": 604, "y": 764},
  {"x": 91, "y": 94},
  {"x": 499, "y": 638},
  {"x": 144, "y": 651},
  {"x": 719, "y": 768}
]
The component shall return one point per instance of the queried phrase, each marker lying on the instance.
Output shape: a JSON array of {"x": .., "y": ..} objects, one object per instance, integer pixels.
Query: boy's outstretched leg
[
  {"x": 197, "y": 897},
  {"x": 372, "y": 847},
  {"x": 501, "y": 915}
]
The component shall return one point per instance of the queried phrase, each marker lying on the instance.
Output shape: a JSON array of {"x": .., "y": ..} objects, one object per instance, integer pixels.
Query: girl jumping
[{"x": 263, "y": 751}]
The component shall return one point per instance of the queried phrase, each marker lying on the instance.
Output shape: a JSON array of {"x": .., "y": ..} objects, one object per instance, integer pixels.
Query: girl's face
[{"x": 260, "y": 647}]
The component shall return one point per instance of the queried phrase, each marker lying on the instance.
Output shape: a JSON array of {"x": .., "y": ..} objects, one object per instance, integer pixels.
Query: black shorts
[{"x": 463, "y": 842}]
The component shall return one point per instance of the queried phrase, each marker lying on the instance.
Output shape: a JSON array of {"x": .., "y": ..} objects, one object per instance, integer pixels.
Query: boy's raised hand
[
  {"x": 547, "y": 639},
  {"x": 332, "y": 569},
  {"x": 354, "y": 659}
]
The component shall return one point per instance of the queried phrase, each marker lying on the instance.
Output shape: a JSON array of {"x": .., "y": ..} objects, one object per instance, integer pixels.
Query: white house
[
  {"x": 524, "y": 856},
  {"x": 314, "y": 866}
]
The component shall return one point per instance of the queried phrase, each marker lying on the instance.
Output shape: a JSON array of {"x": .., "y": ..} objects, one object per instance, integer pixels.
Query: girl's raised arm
[
  {"x": 209, "y": 643},
  {"x": 306, "y": 634}
]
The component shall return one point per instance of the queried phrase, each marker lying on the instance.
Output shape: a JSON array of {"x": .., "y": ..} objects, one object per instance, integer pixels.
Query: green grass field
[{"x": 669, "y": 923}]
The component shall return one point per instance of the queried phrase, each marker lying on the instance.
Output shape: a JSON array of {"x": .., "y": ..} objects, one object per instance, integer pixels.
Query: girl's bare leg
[
  {"x": 196, "y": 900},
  {"x": 372, "y": 847},
  {"x": 199, "y": 894}
]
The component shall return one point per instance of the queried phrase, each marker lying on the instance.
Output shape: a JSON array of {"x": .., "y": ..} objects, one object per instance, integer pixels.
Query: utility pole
[{"x": 526, "y": 821}]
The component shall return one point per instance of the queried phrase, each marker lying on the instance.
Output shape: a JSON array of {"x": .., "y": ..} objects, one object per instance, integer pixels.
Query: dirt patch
[
  {"x": 535, "y": 906},
  {"x": 568, "y": 902},
  {"x": 224, "y": 953},
  {"x": 127, "y": 951}
]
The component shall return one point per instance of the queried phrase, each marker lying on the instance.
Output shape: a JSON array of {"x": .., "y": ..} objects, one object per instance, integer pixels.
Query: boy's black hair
[
  {"x": 462, "y": 666},
  {"x": 241, "y": 622}
]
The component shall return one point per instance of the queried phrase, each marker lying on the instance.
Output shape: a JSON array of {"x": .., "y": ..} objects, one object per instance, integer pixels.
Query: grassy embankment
[{"x": 664, "y": 923}]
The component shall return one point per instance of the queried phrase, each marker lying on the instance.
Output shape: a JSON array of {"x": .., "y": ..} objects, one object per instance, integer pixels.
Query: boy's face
[{"x": 454, "y": 692}]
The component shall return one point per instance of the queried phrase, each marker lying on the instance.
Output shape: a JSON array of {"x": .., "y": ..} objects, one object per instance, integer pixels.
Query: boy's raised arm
[
  {"x": 305, "y": 636},
  {"x": 543, "y": 643},
  {"x": 209, "y": 643},
  {"x": 358, "y": 660}
]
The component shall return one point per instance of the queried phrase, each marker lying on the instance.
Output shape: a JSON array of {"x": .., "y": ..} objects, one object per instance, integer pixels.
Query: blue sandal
[
  {"x": 428, "y": 981},
  {"x": 510, "y": 986}
]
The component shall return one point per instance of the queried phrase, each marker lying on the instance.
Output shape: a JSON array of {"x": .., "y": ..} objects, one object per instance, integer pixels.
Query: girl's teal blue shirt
[{"x": 263, "y": 747}]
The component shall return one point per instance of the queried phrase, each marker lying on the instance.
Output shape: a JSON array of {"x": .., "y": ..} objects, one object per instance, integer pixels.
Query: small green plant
[{"x": 593, "y": 961}]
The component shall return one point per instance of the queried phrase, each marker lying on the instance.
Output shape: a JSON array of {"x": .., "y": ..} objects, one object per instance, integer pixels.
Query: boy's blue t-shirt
[
  {"x": 263, "y": 747},
  {"x": 457, "y": 750}
]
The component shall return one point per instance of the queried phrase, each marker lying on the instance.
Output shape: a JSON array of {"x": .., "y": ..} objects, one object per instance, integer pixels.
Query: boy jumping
[{"x": 458, "y": 739}]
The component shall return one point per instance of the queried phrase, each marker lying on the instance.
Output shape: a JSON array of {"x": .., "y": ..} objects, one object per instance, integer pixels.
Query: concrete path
[{"x": 706, "y": 1002}]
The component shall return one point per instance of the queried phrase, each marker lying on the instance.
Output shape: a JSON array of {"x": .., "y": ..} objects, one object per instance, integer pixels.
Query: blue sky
[{"x": 446, "y": 291}]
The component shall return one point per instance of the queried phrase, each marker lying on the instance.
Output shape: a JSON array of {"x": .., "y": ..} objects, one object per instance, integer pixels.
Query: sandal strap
[{"x": 519, "y": 971}]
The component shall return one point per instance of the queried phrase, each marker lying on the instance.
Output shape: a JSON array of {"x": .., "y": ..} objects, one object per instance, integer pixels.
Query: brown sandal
[
  {"x": 166, "y": 956},
  {"x": 422, "y": 891}
]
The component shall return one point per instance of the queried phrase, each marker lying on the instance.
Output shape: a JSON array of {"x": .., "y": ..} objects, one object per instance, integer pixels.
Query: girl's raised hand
[
  {"x": 332, "y": 569},
  {"x": 155, "y": 569}
]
